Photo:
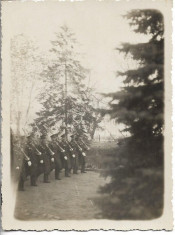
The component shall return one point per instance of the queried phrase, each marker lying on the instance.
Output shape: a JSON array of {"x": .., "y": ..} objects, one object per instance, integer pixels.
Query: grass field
[{"x": 101, "y": 153}]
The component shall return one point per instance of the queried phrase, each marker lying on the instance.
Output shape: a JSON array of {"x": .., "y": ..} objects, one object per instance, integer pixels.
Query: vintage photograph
[{"x": 87, "y": 105}]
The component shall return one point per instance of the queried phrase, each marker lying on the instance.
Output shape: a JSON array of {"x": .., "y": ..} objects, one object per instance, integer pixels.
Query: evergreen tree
[
  {"x": 67, "y": 102},
  {"x": 140, "y": 102},
  {"x": 132, "y": 193}
]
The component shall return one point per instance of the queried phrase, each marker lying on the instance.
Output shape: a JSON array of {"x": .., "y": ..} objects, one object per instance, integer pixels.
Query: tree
[
  {"x": 140, "y": 102},
  {"x": 67, "y": 102},
  {"x": 139, "y": 105},
  {"x": 25, "y": 70}
]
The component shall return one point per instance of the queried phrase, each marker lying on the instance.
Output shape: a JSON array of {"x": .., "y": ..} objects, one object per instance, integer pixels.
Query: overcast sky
[{"x": 99, "y": 28}]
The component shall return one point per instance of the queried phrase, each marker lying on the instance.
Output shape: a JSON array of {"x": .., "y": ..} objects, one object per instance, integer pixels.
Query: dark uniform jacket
[
  {"x": 45, "y": 156},
  {"x": 31, "y": 153},
  {"x": 66, "y": 154},
  {"x": 74, "y": 153},
  {"x": 57, "y": 154},
  {"x": 81, "y": 151},
  {"x": 20, "y": 164}
]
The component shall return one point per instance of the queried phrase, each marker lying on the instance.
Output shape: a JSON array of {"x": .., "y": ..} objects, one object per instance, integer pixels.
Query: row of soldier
[{"x": 61, "y": 152}]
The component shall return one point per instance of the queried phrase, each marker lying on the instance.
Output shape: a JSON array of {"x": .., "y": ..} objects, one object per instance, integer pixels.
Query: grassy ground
[{"x": 101, "y": 153}]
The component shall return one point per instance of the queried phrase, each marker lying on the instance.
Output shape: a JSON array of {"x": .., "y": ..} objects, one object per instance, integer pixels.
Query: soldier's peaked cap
[
  {"x": 43, "y": 134},
  {"x": 30, "y": 134},
  {"x": 60, "y": 133},
  {"x": 77, "y": 137},
  {"x": 54, "y": 135}
]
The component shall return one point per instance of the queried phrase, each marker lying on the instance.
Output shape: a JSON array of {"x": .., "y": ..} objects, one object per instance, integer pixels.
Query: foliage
[
  {"x": 25, "y": 71},
  {"x": 140, "y": 103},
  {"x": 67, "y": 101},
  {"x": 135, "y": 190}
]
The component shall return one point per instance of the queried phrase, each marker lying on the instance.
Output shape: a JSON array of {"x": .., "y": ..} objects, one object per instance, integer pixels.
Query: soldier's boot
[
  {"x": 83, "y": 169},
  {"x": 75, "y": 170},
  {"x": 21, "y": 185},
  {"x": 57, "y": 177},
  {"x": 33, "y": 180},
  {"x": 67, "y": 173},
  {"x": 46, "y": 178}
]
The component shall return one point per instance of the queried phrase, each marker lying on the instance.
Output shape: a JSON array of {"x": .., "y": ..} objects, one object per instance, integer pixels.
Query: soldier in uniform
[
  {"x": 17, "y": 165},
  {"x": 40, "y": 169},
  {"x": 46, "y": 164},
  {"x": 85, "y": 148},
  {"x": 81, "y": 154},
  {"x": 22, "y": 175},
  {"x": 23, "y": 166},
  {"x": 57, "y": 156},
  {"x": 74, "y": 160},
  {"x": 51, "y": 155},
  {"x": 65, "y": 155},
  {"x": 31, "y": 152}
]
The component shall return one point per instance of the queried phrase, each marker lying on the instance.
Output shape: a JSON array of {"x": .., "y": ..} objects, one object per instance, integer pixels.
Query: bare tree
[{"x": 25, "y": 71}]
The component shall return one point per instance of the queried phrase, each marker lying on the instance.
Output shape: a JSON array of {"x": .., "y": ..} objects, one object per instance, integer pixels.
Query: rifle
[
  {"x": 26, "y": 157},
  {"x": 71, "y": 149},
  {"x": 78, "y": 146},
  {"x": 38, "y": 152},
  {"x": 84, "y": 144},
  {"x": 62, "y": 150},
  {"x": 51, "y": 152}
]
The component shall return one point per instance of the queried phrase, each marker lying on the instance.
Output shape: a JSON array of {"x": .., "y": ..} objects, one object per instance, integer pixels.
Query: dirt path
[{"x": 69, "y": 198}]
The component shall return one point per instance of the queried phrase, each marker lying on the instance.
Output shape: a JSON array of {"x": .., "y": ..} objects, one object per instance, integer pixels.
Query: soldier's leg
[
  {"x": 74, "y": 170},
  {"x": 57, "y": 173},
  {"x": 70, "y": 166},
  {"x": 66, "y": 170},
  {"x": 75, "y": 167},
  {"x": 79, "y": 163},
  {"x": 33, "y": 180},
  {"x": 83, "y": 166},
  {"x": 46, "y": 178},
  {"x": 33, "y": 176},
  {"x": 21, "y": 184},
  {"x": 46, "y": 171},
  {"x": 69, "y": 170}
]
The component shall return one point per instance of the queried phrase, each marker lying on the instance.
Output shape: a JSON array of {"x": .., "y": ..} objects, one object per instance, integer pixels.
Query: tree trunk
[
  {"x": 29, "y": 104},
  {"x": 93, "y": 130},
  {"x": 18, "y": 123}
]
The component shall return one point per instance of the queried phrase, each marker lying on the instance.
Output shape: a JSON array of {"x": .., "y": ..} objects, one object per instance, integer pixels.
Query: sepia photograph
[{"x": 86, "y": 109}]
